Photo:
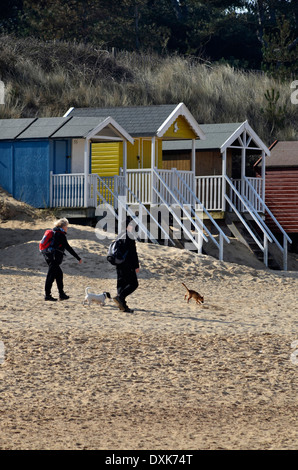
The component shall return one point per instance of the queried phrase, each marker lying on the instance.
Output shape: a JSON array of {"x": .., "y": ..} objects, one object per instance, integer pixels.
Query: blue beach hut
[{"x": 33, "y": 149}]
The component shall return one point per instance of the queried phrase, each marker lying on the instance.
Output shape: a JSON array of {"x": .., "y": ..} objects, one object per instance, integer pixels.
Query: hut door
[{"x": 61, "y": 156}]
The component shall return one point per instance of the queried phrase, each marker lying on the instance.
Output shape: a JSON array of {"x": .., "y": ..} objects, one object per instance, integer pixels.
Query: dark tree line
[{"x": 245, "y": 33}]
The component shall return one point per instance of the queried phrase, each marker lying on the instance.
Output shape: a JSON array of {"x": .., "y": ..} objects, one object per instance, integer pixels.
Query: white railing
[
  {"x": 209, "y": 189},
  {"x": 286, "y": 239},
  {"x": 209, "y": 192},
  {"x": 251, "y": 189},
  {"x": 139, "y": 182},
  {"x": 267, "y": 236},
  {"x": 67, "y": 190},
  {"x": 172, "y": 181},
  {"x": 167, "y": 193},
  {"x": 202, "y": 208},
  {"x": 108, "y": 188}
]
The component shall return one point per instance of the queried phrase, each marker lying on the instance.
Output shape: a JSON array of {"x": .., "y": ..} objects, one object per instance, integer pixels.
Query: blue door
[{"x": 62, "y": 160}]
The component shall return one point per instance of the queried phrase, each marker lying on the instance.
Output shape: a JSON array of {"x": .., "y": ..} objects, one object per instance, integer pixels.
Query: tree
[
  {"x": 280, "y": 51},
  {"x": 9, "y": 15}
]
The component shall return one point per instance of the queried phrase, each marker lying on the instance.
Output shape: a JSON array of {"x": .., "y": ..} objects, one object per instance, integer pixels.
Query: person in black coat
[
  {"x": 55, "y": 258},
  {"x": 127, "y": 281}
]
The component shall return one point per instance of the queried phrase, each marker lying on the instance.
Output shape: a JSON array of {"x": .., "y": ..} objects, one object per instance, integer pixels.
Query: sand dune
[{"x": 171, "y": 375}]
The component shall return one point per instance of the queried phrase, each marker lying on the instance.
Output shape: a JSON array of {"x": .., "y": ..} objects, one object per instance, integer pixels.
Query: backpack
[
  {"x": 116, "y": 252},
  {"x": 47, "y": 241}
]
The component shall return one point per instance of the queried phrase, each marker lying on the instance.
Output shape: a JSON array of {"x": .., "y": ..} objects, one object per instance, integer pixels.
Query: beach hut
[
  {"x": 227, "y": 186},
  {"x": 149, "y": 126},
  {"x": 281, "y": 171},
  {"x": 45, "y": 161},
  {"x": 222, "y": 163}
]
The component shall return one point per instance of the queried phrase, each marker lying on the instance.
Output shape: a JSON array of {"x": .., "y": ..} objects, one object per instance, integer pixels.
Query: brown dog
[{"x": 192, "y": 294}]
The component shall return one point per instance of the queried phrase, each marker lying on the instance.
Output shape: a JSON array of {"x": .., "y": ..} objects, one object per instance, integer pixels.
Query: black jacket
[
  {"x": 131, "y": 259},
  {"x": 61, "y": 244}
]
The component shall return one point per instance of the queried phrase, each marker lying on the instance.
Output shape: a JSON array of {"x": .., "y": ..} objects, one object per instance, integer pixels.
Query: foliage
[
  {"x": 274, "y": 113},
  {"x": 232, "y": 30},
  {"x": 280, "y": 51}
]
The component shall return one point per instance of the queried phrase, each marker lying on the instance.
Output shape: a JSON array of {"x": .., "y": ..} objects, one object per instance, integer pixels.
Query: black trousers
[
  {"x": 127, "y": 282},
  {"x": 54, "y": 274}
]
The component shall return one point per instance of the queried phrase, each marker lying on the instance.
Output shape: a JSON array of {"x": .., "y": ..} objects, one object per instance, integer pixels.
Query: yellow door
[{"x": 106, "y": 160}]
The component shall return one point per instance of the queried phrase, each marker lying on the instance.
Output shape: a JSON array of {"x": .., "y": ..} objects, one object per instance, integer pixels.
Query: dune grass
[{"x": 47, "y": 78}]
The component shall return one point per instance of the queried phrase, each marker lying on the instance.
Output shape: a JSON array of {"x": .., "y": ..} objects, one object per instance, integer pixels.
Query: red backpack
[{"x": 47, "y": 241}]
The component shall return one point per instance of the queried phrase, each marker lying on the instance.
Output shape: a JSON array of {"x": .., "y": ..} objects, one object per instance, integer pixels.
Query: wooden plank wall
[{"x": 282, "y": 197}]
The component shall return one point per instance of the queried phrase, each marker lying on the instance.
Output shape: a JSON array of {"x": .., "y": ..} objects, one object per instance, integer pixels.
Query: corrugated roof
[
  {"x": 11, "y": 128},
  {"x": 78, "y": 127},
  {"x": 136, "y": 120},
  {"x": 216, "y": 136},
  {"x": 283, "y": 154},
  {"x": 43, "y": 128}
]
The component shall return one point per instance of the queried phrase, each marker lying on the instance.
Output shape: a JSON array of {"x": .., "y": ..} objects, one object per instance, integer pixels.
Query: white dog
[{"x": 97, "y": 298}]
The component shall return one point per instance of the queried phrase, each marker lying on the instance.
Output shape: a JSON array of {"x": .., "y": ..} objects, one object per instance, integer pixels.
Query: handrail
[
  {"x": 127, "y": 209},
  {"x": 149, "y": 213},
  {"x": 286, "y": 238},
  {"x": 254, "y": 215},
  {"x": 268, "y": 210},
  {"x": 250, "y": 209},
  {"x": 188, "y": 233},
  {"x": 204, "y": 209}
]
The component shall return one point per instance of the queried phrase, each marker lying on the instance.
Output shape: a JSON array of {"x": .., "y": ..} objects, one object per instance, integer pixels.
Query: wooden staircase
[{"x": 238, "y": 230}]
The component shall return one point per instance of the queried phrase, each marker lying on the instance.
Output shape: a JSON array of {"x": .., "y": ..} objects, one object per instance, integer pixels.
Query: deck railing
[
  {"x": 251, "y": 189},
  {"x": 140, "y": 183},
  {"x": 67, "y": 190},
  {"x": 209, "y": 192},
  {"x": 209, "y": 189}
]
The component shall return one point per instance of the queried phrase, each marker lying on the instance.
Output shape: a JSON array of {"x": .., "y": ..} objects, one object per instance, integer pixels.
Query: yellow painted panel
[
  {"x": 146, "y": 153},
  {"x": 159, "y": 165},
  {"x": 132, "y": 153},
  {"x": 180, "y": 129},
  {"x": 106, "y": 158},
  {"x": 142, "y": 148}
]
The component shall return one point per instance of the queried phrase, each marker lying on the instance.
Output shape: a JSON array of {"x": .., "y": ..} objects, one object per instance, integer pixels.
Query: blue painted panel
[
  {"x": 31, "y": 172},
  {"x": 6, "y": 165}
]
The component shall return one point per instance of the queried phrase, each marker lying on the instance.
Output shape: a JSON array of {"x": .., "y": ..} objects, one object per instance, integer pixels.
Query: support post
[
  {"x": 193, "y": 167},
  {"x": 224, "y": 174},
  {"x": 263, "y": 172},
  {"x": 86, "y": 172},
  {"x": 152, "y": 167}
]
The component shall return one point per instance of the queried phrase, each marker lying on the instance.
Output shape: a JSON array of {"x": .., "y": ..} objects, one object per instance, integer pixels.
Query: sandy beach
[{"x": 171, "y": 375}]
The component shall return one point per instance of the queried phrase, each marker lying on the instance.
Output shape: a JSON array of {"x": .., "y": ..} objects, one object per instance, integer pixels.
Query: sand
[{"x": 171, "y": 375}]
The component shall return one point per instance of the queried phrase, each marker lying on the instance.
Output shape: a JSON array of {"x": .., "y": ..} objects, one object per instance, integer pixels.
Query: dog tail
[
  {"x": 184, "y": 286},
  {"x": 87, "y": 289}
]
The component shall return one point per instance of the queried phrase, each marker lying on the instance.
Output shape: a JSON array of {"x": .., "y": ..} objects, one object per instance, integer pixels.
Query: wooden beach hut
[
  {"x": 281, "y": 170},
  {"x": 45, "y": 161}
]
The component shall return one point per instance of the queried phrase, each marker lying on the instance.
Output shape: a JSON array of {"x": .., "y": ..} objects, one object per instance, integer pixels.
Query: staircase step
[{"x": 240, "y": 232}]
